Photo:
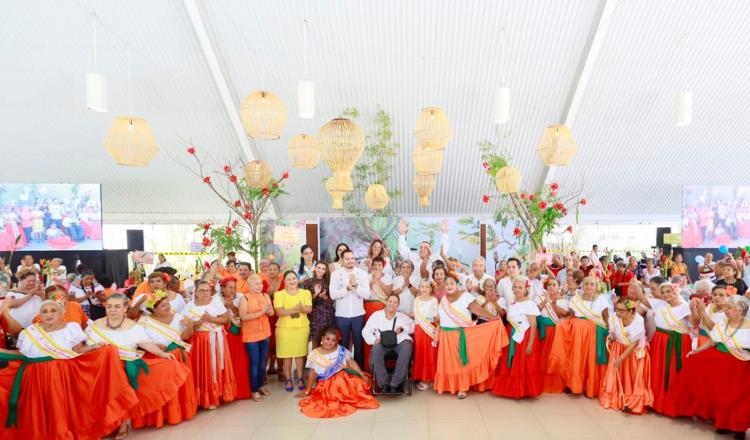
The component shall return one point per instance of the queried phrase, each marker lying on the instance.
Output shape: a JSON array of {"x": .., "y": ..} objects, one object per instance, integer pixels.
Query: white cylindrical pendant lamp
[
  {"x": 501, "y": 105},
  {"x": 684, "y": 108},
  {"x": 96, "y": 92},
  {"x": 306, "y": 99}
]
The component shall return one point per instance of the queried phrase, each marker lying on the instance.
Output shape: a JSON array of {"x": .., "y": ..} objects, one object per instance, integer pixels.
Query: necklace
[{"x": 115, "y": 327}]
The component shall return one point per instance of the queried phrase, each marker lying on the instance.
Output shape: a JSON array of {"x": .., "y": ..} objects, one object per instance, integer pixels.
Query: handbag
[{"x": 389, "y": 338}]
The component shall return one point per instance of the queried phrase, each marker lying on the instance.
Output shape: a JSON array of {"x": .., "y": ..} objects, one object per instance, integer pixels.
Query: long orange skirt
[
  {"x": 659, "y": 383},
  {"x": 425, "y": 356},
  {"x": 523, "y": 378},
  {"x": 484, "y": 345},
  {"x": 83, "y": 398},
  {"x": 240, "y": 365},
  {"x": 370, "y": 308},
  {"x": 181, "y": 407},
  {"x": 573, "y": 357},
  {"x": 339, "y": 396},
  {"x": 160, "y": 386},
  {"x": 211, "y": 393},
  {"x": 553, "y": 383},
  {"x": 635, "y": 377}
]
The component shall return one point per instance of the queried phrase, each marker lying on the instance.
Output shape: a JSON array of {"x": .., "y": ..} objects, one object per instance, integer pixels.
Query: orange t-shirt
[
  {"x": 226, "y": 273},
  {"x": 260, "y": 328},
  {"x": 73, "y": 313},
  {"x": 242, "y": 286},
  {"x": 144, "y": 287}
]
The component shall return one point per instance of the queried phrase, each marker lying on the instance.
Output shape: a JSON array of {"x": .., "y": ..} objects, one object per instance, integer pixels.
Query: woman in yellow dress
[{"x": 292, "y": 305}]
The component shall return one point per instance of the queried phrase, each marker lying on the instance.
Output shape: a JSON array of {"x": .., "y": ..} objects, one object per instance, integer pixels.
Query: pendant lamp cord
[
  {"x": 93, "y": 31},
  {"x": 130, "y": 84},
  {"x": 306, "y": 47}
]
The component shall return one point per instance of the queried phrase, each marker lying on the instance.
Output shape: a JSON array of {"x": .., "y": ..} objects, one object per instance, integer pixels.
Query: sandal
[
  {"x": 264, "y": 391},
  {"x": 289, "y": 386},
  {"x": 257, "y": 397},
  {"x": 421, "y": 386},
  {"x": 300, "y": 384},
  {"x": 122, "y": 434},
  {"x": 461, "y": 395}
]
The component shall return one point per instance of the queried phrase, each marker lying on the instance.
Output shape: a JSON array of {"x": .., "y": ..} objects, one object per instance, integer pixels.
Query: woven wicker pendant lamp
[
  {"x": 342, "y": 143},
  {"x": 376, "y": 196},
  {"x": 433, "y": 130},
  {"x": 424, "y": 184},
  {"x": 258, "y": 174},
  {"x": 338, "y": 185},
  {"x": 508, "y": 179},
  {"x": 427, "y": 161},
  {"x": 304, "y": 151},
  {"x": 263, "y": 115},
  {"x": 130, "y": 141},
  {"x": 557, "y": 146}
]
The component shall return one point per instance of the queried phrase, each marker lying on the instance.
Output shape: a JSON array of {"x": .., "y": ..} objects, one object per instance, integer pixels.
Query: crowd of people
[{"x": 339, "y": 334}]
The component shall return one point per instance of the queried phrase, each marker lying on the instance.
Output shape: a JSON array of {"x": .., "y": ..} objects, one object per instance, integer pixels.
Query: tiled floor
[{"x": 427, "y": 415}]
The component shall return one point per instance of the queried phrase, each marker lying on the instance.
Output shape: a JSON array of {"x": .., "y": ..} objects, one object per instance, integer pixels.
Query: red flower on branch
[
  {"x": 485, "y": 165},
  {"x": 207, "y": 180},
  {"x": 559, "y": 206},
  {"x": 266, "y": 192},
  {"x": 191, "y": 150},
  {"x": 206, "y": 241},
  {"x": 233, "y": 178},
  {"x": 207, "y": 265},
  {"x": 228, "y": 230},
  {"x": 485, "y": 199},
  {"x": 227, "y": 169},
  {"x": 235, "y": 222},
  {"x": 285, "y": 175},
  {"x": 569, "y": 229},
  {"x": 523, "y": 196},
  {"x": 554, "y": 186},
  {"x": 542, "y": 204},
  {"x": 564, "y": 211},
  {"x": 206, "y": 226},
  {"x": 531, "y": 197},
  {"x": 248, "y": 215},
  {"x": 517, "y": 231},
  {"x": 275, "y": 185},
  {"x": 237, "y": 203},
  {"x": 583, "y": 201},
  {"x": 553, "y": 194}
]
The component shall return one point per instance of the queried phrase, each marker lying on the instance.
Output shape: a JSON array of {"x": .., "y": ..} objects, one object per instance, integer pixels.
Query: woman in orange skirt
[
  {"x": 169, "y": 331},
  {"x": 670, "y": 343},
  {"x": 425, "y": 336},
  {"x": 240, "y": 360},
  {"x": 156, "y": 381},
  {"x": 552, "y": 308},
  {"x": 213, "y": 372},
  {"x": 518, "y": 374},
  {"x": 336, "y": 386},
  {"x": 67, "y": 389},
  {"x": 579, "y": 350},
  {"x": 627, "y": 382},
  {"x": 467, "y": 354},
  {"x": 713, "y": 383}
]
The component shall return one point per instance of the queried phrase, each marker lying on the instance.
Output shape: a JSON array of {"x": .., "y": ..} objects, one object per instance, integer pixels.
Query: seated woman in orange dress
[
  {"x": 552, "y": 307},
  {"x": 336, "y": 386},
  {"x": 169, "y": 331},
  {"x": 72, "y": 311},
  {"x": 467, "y": 354},
  {"x": 56, "y": 387},
  {"x": 213, "y": 372},
  {"x": 579, "y": 350},
  {"x": 627, "y": 381},
  {"x": 518, "y": 373},
  {"x": 155, "y": 381},
  {"x": 240, "y": 360}
]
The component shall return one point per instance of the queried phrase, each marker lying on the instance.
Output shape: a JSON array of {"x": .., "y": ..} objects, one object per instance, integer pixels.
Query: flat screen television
[
  {"x": 50, "y": 216},
  {"x": 713, "y": 216}
]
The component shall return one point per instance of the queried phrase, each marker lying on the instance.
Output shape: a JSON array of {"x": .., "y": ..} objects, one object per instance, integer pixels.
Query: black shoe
[
  {"x": 384, "y": 388},
  {"x": 396, "y": 389}
]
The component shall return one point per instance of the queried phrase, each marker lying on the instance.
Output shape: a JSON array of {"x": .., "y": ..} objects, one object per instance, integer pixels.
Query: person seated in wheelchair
[{"x": 388, "y": 331}]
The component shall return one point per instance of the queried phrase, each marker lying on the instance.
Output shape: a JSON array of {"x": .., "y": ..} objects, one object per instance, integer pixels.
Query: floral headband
[
  {"x": 731, "y": 290},
  {"x": 153, "y": 298},
  {"x": 58, "y": 297},
  {"x": 630, "y": 304}
]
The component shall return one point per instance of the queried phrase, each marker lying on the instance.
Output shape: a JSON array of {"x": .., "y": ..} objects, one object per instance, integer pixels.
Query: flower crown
[
  {"x": 153, "y": 298},
  {"x": 58, "y": 297},
  {"x": 630, "y": 304}
]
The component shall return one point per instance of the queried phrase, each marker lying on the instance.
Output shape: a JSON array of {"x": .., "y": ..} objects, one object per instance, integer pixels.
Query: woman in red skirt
[
  {"x": 552, "y": 307},
  {"x": 425, "y": 334},
  {"x": 670, "y": 343},
  {"x": 518, "y": 374},
  {"x": 714, "y": 383},
  {"x": 240, "y": 360}
]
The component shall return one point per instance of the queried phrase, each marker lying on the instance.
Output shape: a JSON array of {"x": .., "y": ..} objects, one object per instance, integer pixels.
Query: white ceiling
[{"x": 399, "y": 55}]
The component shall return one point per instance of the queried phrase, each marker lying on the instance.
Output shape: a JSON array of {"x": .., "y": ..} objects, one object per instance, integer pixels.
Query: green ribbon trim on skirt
[
  {"x": 512, "y": 348},
  {"x": 601, "y": 344},
  {"x": 352, "y": 372},
  {"x": 542, "y": 322},
  {"x": 462, "y": 351},
  {"x": 673, "y": 343},
  {"x": 703, "y": 332},
  {"x": 132, "y": 368},
  {"x": 235, "y": 330},
  {"x": 172, "y": 347},
  {"x": 15, "y": 392}
]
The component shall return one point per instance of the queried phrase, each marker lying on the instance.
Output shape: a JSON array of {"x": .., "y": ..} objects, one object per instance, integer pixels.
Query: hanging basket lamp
[
  {"x": 427, "y": 161},
  {"x": 304, "y": 151},
  {"x": 508, "y": 179},
  {"x": 424, "y": 184},
  {"x": 258, "y": 174},
  {"x": 376, "y": 197},
  {"x": 433, "y": 130},
  {"x": 342, "y": 143},
  {"x": 338, "y": 185},
  {"x": 130, "y": 141},
  {"x": 557, "y": 146},
  {"x": 263, "y": 115}
]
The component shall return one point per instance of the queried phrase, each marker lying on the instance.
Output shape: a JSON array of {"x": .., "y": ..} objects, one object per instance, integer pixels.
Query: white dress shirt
[
  {"x": 349, "y": 303},
  {"x": 477, "y": 281},
  {"x": 505, "y": 289},
  {"x": 406, "y": 298},
  {"x": 379, "y": 323},
  {"x": 414, "y": 257}
]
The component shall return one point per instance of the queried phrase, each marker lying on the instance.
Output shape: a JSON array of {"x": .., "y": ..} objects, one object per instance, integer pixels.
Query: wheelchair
[{"x": 390, "y": 367}]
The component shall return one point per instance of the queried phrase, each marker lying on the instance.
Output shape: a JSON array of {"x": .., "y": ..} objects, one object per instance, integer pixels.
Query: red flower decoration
[
  {"x": 554, "y": 186},
  {"x": 206, "y": 241},
  {"x": 569, "y": 229},
  {"x": 517, "y": 231},
  {"x": 232, "y": 178},
  {"x": 542, "y": 204},
  {"x": 235, "y": 222},
  {"x": 485, "y": 199},
  {"x": 206, "y": 226},
  {"x": 227, "y": 169},
  {"x": 531, "y": 197},
  {"x": 207, "y": 265},
  {"x": 523, "y": 196},
  {"x": 275, "y": 185},
  {"x": 191, "y": 150},
  {"x": 285, "y": 175},
  {"x": 559, "y": 206},
  {"x": 228, "y": 230},
  {"x": 553, "y": 194},
  {"x": 207, "y": 179},
  {"x": 265, "y": 191},
  {"x": 248, "y": 215},
  {"x": 486, "y": 165},
  {"x": 237, "y": 203},
  {"x": 564, "y": 211},
  {"x": 583, "y": 201}
]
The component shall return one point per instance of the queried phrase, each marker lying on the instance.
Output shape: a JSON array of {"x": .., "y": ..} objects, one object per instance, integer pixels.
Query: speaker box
[
  {"x": 135, "y": 240},
  {"x": 660, "y": 236}
]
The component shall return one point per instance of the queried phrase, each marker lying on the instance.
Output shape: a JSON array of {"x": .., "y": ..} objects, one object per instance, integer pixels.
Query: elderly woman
[
  {"x": 157, "y": 281},
  {"x": 390, "y": 319},
  {"x": 579, "y": 350},
  {"x": 491, "y": 301},
  {"x": 165, "y": 375},
  {"x": 68, "y": 389},
  {"x": 254, "y": 310},
  {"x": 552, "y": 308},
  {"x": 336, "y": 385},
  {"x": 406, "y": 286},
  {"x": 212, "y": 362},
  {"x": 706, "y": 317},
  {"x": 467, "y": 354},
  {"x": 240, "y": 360},
  {"x": 627, "y": 381},
  {"x": 23, "y": 304},
  {"x": 72, "y": 311},
  {"x": 713, "y": 383},
  {"x": 169, "y": 331}
]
